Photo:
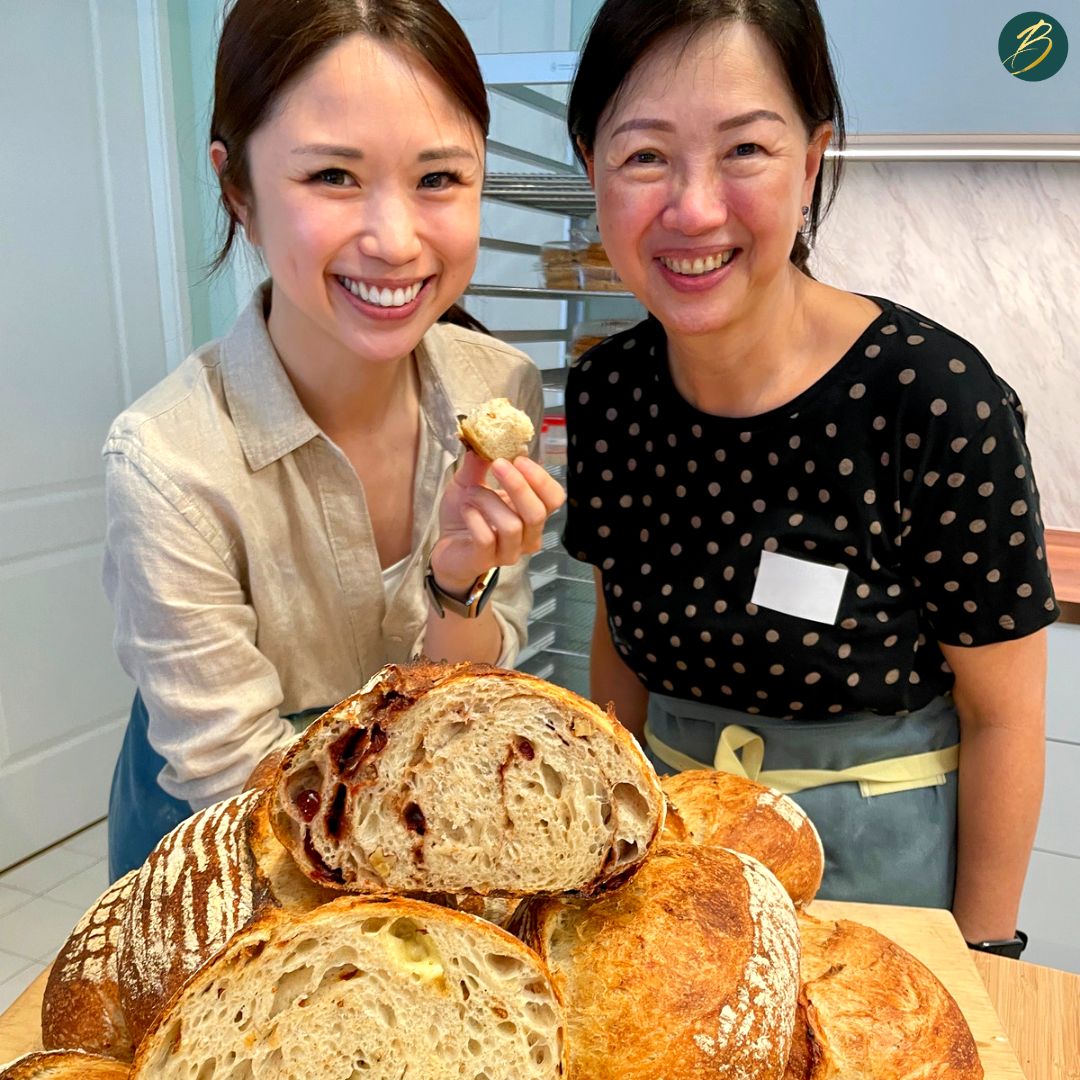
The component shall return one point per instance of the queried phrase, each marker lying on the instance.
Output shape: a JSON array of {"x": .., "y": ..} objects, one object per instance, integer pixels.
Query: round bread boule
[
  {"x": 719, "y": 809},
  {"x": 688, "y": 971},
  {"x": 497, "y": 429}
]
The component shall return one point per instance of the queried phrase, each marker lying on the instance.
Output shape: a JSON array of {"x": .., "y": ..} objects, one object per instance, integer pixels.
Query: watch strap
[
  {"x": 475, "y": 600},
  {"x": 1010, "y": 947}
]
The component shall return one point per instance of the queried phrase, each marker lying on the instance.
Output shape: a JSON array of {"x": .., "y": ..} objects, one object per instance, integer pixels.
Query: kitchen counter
[
  {"x": 1038, "y": 1007},
  {"x": 1063, "y": 556}
]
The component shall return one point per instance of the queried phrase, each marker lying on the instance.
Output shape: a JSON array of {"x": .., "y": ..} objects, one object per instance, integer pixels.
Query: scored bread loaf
[
  {"x": 871, "y": 1009},
  {"x": 689, "y": 970},
  {"x": 64, "y": 1065},
  {"x": 723, "y": 810},
  {"x": 203, "y": 882},
  {"x": 81, "y": 1006},
  {"x": 466, "y": 778},
  {"x": 362, "y": 988},
  {"x": 497, "y": 429}
]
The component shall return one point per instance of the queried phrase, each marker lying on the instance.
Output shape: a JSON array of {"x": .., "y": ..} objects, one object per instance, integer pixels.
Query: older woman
[{"x": 811, "y": 513}]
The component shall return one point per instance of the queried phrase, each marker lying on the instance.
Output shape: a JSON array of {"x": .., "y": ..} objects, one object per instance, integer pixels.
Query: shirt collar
[{"x": 267, "y": 414}]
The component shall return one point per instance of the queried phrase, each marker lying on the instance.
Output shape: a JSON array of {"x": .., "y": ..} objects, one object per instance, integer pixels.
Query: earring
[{"x": 805, "y": 219}]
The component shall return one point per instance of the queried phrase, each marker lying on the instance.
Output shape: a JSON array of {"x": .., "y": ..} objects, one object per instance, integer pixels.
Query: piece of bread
[
  {"x": 362, "y": 988},
  {"x": 723, "y": 810},
  {"x": 81, "y": 1006},
  {"x": 64, "y": 1065},
  {"x": 689, "y": 970},
  {"x": 497, "y": 429},
  {"x": 466, "y": 778},
  {"x": 871, "y": 1009}
]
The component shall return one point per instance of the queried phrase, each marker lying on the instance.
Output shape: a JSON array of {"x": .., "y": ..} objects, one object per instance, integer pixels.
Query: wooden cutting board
[
  {"x": 932, "y": 936},
  {"x": 928, "y": 934}
]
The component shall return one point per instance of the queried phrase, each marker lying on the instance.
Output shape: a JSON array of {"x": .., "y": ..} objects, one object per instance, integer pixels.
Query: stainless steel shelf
[
  {"x": 559, "y": 194},
  {"x": 530, "y": 292}
]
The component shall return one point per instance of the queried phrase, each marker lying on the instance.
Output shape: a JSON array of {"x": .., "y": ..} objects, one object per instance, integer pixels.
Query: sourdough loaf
[
  {"x": 81, "y": 1006},
  {"x": 64, "y": 1065},
  {"x": 723, "y": 810},
  {"x": 466, "y": 778},
  {"x": 203, "y": 882},
  {"x": 690, "y": 970},
  {"x": 378, "y": 989},
  {"x": 871, "y": 1009}
]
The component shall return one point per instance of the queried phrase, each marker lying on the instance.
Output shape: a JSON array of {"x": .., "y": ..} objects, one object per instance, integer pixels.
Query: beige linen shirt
[{"x": 239, "y": 556}]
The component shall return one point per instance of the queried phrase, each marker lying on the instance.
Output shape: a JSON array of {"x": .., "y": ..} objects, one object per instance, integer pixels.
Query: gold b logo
[{"x": 1033, "y": 46}]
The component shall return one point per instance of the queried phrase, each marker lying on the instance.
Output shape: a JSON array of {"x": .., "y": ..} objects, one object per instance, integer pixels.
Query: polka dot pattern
[{"x": 905, "y": 465}]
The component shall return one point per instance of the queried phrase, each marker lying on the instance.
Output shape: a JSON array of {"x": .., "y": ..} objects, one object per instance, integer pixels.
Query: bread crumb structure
[{"x": 397, "y": 988}]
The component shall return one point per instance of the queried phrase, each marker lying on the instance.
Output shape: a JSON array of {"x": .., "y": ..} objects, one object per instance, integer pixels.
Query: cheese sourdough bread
[
  {"x": 362, "y": 988},
  {"x": 64, "y": 1065},
  {"x": 723, "y": 810},
  {"x": 466, "y": 778},
  {"x": 870, "y": 1009},
  {"x": 81, "y": 1006},
  {"x": 689, "y": 970}
]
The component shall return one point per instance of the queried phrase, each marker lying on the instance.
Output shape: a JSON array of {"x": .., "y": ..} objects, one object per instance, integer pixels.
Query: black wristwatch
[
  {"x": 469, "y": 608},
  {"x": 1010, "y": 947}
]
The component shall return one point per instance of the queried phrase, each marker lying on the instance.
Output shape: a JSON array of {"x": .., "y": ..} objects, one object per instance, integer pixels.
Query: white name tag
[{"x": 799, "y": 587}]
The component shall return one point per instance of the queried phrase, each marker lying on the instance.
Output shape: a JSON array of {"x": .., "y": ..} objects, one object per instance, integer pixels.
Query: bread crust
[
  {"x": 688, "y": 971},
  {"x": 723, "y": 810},
  {"x": 81, "y": 1006},
  {"x": 872, "y": 1009},
  {"x": 64, "y": 1065},
  {"x": 257, "y": 962},
  {"x": 497, "y": 429},
  {"x": 342, "y": 775}
]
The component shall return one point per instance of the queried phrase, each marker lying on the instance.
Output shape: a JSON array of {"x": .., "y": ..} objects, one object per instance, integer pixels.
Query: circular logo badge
[{"x": 1033, "y": 46}]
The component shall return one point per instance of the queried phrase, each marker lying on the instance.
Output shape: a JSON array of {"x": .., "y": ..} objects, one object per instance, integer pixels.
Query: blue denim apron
[
  {"x": 897, "y": 847},
  {"x": 141, "y": 812}
]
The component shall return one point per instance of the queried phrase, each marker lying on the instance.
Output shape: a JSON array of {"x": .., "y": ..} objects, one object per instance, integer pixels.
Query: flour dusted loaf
[
  {"x": 690, "y": 970},
  {"x": 64, "y": 1065},
  {"x": 464, "y": 778},
  {"x": 723, "y": 810},
  {"x": 363, "y": 988},
  {"x": 207, "y": 879},
  {"x": 497, "y": 429},
  {"x": 870, "y": 1009},
  {"x": 81, "y": 1006}
]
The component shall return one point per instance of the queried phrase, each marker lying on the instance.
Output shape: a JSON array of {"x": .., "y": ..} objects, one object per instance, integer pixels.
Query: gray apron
[{"x": 886, "y": 841}]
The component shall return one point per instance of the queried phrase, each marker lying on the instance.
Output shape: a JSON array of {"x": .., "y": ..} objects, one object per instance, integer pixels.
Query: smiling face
[
  {"x": 701, "y": 167},
  {"x": 365, "y": 202}
]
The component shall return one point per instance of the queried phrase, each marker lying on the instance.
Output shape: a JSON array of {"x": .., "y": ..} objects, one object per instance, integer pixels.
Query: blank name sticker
[{"x": 799, "y": 587}]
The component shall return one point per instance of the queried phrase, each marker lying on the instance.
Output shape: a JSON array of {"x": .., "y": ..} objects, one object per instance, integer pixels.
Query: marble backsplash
[{"x": 991, "y": 250}]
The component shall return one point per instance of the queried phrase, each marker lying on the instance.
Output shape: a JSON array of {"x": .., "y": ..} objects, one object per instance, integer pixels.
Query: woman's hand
[{"x": 480, "y": 527}]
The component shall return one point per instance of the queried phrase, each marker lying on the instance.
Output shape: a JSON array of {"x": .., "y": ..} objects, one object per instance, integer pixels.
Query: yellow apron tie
[{"x": 874, "y": 778}]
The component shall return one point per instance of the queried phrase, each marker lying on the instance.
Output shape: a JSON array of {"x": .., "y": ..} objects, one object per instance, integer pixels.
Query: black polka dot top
[{"x": 905, "y": 466}]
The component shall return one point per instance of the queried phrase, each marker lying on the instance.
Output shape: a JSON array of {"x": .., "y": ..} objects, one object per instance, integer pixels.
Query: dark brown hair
[
  {"x": 624, "y": 31},
  {"x": 266, "y": 45}
]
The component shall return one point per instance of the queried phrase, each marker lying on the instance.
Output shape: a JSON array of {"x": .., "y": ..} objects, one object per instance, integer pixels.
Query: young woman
[
  {"x": 291, "y": 509},
  {"x": 811, "y": 513}
]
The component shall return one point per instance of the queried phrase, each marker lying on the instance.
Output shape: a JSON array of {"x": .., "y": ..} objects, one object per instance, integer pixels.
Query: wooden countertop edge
[{"x": 1063, "y": 557}]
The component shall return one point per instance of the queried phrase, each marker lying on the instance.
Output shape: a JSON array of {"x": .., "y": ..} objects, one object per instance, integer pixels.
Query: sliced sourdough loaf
[
  {"x": 689, "y": 970},
  {"x": 723, "y": 810},
  {"x": 466, "y": 778},
  {"x": 871, "y": 1009},
  {"x": 363, "y": 988},
  {"x": 81, "y": 1006},
  {"x": 65, "y": 1065}
]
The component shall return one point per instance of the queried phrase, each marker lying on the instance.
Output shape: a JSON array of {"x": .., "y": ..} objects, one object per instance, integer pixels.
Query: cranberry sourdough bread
[
  {"x": 466, "y": 778},
  {"x": 65, "y": 1065},
  {"x": 359, "y": 987},
  {"x": 723, "y": 810},
  {"x": 689, "y": 970},
  {"x": 869, "y": 1009}
]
